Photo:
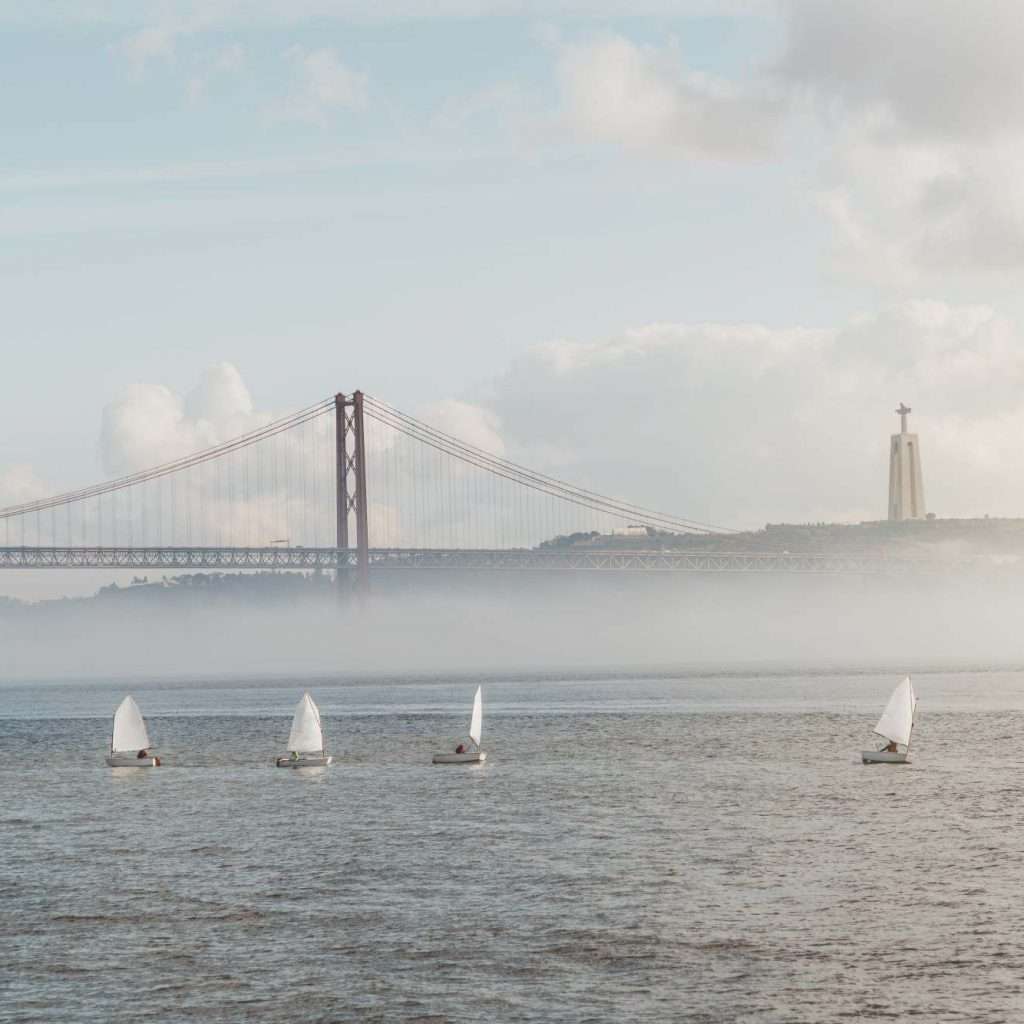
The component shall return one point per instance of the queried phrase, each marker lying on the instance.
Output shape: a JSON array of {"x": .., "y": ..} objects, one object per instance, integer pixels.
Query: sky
[{"x": 692, "y": 254}]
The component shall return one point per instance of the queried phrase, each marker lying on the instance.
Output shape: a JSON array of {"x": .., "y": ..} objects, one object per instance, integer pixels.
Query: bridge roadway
[{"x": 574, "y": 559}]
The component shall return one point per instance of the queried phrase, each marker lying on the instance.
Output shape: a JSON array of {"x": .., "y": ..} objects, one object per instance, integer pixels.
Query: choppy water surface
[{"x": 698, "y": 849}]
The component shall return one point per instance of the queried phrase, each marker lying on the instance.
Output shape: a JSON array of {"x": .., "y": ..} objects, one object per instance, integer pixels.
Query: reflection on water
[
  {"x": 131, "y": 776},
  {"x": 317, "y": 774},
  {"x": 715, "y": 853}
]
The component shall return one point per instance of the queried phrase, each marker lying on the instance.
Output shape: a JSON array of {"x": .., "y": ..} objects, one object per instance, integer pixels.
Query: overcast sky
[{"x": 690, "y": 253}]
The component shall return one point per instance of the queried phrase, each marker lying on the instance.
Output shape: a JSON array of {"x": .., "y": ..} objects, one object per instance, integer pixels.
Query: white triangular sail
[
  {"x": 897, "y": 719},
  {"x": 307, "y": 735},
  {"x": 129, "y": 728},
  {"x": 477, "y": 721}
]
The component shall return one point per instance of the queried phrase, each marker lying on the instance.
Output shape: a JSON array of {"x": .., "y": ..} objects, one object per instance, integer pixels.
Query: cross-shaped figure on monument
[{"x": 903, "y": 410}]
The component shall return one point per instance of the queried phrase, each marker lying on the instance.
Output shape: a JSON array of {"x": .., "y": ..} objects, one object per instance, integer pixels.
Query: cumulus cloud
[
  {"x": 614, "y": 90},
  {"x": 324, "y": 85},
  {"x": 927, "y": 101},
  {"x": 149, "y": 424},
  {"x": 738, "y": 424},
  {"x": 903, "y": 210},
  {"x": 275, "y": 490},
  {"x": 468, "y": 422}
]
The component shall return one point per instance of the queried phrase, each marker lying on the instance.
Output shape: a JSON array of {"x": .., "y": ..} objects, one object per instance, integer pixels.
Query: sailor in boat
[
  {"x": 890, "y": 749},
  {"x": 461, "y": 748},
  {"x": 144, "y": 754}
]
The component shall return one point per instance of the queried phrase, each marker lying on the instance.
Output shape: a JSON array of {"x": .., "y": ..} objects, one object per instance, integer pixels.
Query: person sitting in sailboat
[
  {"x": 890, "y": 749},
  {"x": 142, "y": 754},
  {"x": 461, "y": 748}
]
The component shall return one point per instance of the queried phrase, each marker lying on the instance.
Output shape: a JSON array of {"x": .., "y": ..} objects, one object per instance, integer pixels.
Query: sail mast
[{"x": 913, "y": 713}]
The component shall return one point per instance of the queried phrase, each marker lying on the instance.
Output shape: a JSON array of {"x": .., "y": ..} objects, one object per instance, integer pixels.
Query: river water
[{"x": 680, "y": 848}]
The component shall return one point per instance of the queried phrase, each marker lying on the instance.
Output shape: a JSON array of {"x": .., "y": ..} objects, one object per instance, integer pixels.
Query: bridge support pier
[{"x": 350, "y": 469}]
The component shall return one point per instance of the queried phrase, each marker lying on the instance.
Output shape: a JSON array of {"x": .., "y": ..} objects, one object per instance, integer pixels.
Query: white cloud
[
  {"x": 324, "y": 85},
  {"x": 150, "y": 424},
  {"x": 942, "y": 69},
  {"x": 468, "y": 422},
  {"x": 927, "y": 100},
  {"x": 736, "y": 424},
  {"x": 253, "y": 496},
  {"x": 616, "y": 91},
  {"x": 902, "y": 211}
]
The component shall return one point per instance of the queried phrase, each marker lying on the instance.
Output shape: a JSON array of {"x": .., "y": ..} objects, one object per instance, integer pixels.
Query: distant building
[
  {"x": 906, "y": 488},
  {"x": 630, "y": 531}
]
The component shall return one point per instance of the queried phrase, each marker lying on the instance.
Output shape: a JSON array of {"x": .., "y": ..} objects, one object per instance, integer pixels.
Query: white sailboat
[
  {"x": 306, "y": 740},
  {"x": 129, "y": 740},
  {"x": 895, "y": 725},
  {"x": 473, "y": 754}
]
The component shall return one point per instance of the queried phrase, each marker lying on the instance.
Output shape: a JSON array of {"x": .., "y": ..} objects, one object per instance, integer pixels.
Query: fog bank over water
[{"x": 524, "y": 623}]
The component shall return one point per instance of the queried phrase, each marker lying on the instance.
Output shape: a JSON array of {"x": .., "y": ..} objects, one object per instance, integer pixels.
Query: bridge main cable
[
  {"x": 516, "y": 473},
  {"x": 271, "y": 429}
]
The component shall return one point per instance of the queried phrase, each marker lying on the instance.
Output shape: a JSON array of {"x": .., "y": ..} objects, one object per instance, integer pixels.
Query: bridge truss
[{"x": 582, "y": 559}]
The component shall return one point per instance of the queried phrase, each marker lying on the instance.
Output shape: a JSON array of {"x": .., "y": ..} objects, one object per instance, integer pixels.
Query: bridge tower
[
  {"x": 906, "y": 489},
  {"x": 350, "y": 471}
]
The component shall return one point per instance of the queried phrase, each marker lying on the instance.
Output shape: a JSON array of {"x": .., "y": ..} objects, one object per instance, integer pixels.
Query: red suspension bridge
[{"x": 354, "y": 485}]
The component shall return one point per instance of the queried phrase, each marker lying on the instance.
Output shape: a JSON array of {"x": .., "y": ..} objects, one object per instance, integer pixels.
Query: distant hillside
[{"x": 955, "y": 538}]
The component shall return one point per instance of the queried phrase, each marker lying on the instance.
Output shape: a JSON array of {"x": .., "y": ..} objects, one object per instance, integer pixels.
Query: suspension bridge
[{"x": 352, "y": 485}]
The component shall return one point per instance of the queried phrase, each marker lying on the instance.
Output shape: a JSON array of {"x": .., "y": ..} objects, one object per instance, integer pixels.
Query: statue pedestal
[{"x": 906, "y": 489}]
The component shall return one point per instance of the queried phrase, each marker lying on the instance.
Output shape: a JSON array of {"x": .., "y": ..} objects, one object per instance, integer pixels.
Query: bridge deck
[{"x": 481, "y": 560}]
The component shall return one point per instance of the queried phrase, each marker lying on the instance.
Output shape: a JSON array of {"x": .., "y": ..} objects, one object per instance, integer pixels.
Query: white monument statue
[{"x": 906, "y": 491}]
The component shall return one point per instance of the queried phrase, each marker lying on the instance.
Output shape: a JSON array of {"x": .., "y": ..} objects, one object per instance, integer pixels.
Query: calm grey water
[{"x": 694, "y": 849}]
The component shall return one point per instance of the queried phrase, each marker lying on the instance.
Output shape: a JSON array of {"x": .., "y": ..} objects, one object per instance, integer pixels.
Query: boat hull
[
  {"x": 305, "y": 762},
  {"x": 473, "y": 757},
  {"x": 884, "y": 757},
  {"x": 129, "y": 761}
]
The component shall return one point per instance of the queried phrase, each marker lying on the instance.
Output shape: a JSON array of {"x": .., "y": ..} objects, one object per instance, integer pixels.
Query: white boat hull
[
  {"x": 131, "y": 761},
  {"x": 305, "y": 761},
  {"x": 472, "y": 757},
  {"x": 885, "y": 757}
]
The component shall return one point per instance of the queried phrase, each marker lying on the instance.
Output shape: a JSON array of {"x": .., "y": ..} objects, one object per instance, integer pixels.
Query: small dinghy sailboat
[
  {"x": 129, "y": 740},
  {"x": 474, "y": 755},
  {"x": 895, "y": 725},
  {"x": 306, "y": 740}
]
